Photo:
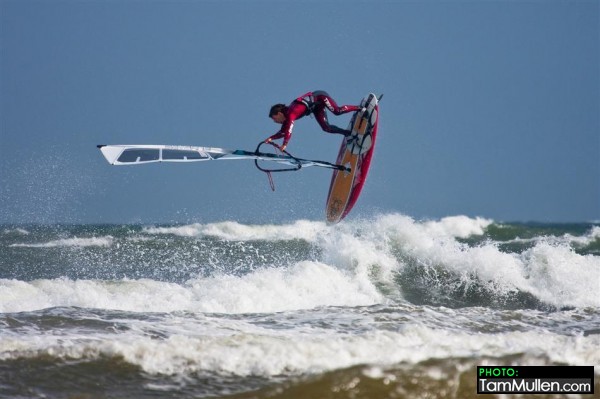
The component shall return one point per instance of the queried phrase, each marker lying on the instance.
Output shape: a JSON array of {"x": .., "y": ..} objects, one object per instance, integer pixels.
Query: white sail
[{"x": 137, "y": 154}]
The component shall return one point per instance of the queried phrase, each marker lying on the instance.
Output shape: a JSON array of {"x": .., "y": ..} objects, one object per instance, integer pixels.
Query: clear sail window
[
  {"x": 181, "y": 155},
  {"x": 139, "y": 155}
]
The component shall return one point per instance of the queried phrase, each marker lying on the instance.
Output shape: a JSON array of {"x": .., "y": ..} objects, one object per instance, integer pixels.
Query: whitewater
[{"x": 386, "y": 307}]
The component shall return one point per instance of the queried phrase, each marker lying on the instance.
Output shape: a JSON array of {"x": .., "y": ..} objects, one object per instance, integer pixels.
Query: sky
[{"x": 491, "y": 108}]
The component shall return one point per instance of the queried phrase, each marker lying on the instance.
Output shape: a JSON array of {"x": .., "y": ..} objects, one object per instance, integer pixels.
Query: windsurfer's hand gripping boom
[{"x": 286, "y": 139}]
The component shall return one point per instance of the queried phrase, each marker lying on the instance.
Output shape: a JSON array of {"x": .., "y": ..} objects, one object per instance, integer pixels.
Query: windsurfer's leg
[
  {"x": 321, "y": 118},
  {"x": 322, "y": 97}
]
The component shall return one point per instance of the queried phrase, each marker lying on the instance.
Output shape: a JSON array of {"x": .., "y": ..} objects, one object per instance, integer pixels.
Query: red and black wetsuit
[{"x": 312, "y": 103}]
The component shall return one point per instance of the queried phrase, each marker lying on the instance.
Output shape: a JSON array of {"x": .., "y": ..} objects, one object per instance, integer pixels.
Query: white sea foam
[
  {"x": 305, "y": 285},
  {"x": 134, "y": 295},
  {"x": 234, "y": 231},
  {"x": 357, "y": 265},
  {"x": 453, "y": 226},
  {"x": 17, "y": 230},
  {"x": 457, "y": 226},
  {"x": 565, "y": 239},
  {"x": 191, "y": 230},
  {"x": 558, "y": 275},
  {"x": 70, "y": 242},
  {"x": 553, "y": 273},
  {"x": 243, "y": 349},
  {"x": 592, "y": 236},
  {"x": 302, "y": 286}
]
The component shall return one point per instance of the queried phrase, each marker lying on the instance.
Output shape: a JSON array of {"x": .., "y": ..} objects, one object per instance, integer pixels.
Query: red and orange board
[{"x": 355, "y": 153}]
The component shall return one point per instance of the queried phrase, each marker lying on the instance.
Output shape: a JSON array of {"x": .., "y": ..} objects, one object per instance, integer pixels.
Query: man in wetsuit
[{"x": 310, "y": 103}]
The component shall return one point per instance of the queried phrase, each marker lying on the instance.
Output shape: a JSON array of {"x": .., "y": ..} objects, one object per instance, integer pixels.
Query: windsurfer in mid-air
[{"x": 310, "y": 103}]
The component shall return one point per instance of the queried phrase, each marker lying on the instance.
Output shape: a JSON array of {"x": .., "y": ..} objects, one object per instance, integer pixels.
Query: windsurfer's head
[{"x": 277, "y": 113}]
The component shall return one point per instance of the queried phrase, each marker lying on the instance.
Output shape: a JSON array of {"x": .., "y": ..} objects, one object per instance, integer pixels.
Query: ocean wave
[
  {"x": 383, "y": 305},
  {"x": 243, "y": 349},
  {"x": 457, "y": 226},
  {"x": 590, "y": 237},
  {"x": 453, "y": 261},
  {"x": 305, "y": 285},
  {"x": 70, "y": 242},
  {"x": 16, "y": 231},
  {"x": 552, "y": 273},
  {"x": 234, "y": 231},
  {"x": 454, "y": 226}
]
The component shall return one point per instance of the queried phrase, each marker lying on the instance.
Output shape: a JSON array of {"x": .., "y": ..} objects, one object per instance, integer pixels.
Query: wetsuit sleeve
[
  {"x": 296, "y": 110},
  {"x": 286, "y": 134},
  {"x": 276, "y": 136},
  {"x": 286, "y": 130}
]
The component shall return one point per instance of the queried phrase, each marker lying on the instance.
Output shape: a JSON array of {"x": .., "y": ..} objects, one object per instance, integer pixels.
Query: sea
[{"x": 381, "y": 307}]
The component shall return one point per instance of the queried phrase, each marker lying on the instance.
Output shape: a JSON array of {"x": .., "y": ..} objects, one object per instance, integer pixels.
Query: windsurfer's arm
[
  {"x": 285, "y": 133},
  {"x": 276, "y": 136},
  {"x": 286, "y": 130}
]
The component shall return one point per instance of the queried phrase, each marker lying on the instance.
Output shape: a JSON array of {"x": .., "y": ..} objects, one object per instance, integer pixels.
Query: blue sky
[{"x": 491, "y": 108}]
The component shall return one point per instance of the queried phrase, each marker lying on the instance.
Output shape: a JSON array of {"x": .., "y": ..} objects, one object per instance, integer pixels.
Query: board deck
[{"x": 355, "y": 154}]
